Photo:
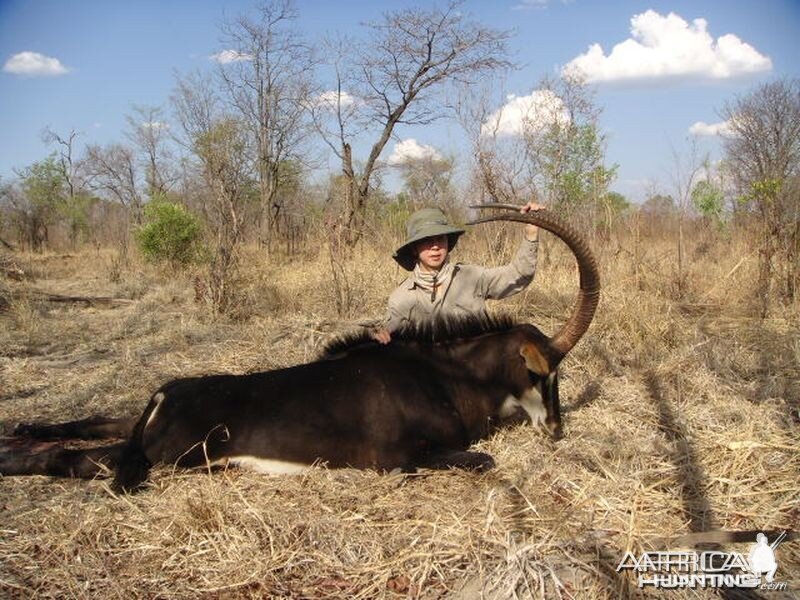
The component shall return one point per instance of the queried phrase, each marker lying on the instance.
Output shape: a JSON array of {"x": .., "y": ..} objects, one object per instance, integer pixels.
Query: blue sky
[{"x": 670, "y": 73}]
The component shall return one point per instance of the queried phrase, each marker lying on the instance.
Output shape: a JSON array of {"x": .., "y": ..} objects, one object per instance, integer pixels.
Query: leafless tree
[
  {"x": 546, "y": 146},
  {"x": 219, "y": 143},
  {"x": 266, "y": 71},
  {"x": 114, "y": 171},
  {"x": 764, "y": 138},
  {"x": 67, "y": 160},
  {"x": 408, "y": 55},
  {"x": 502, "y": 170},
  {"x": 687, "y": 169},
  {"x": 76, "y": 177},
  {"x": 763, "y": 156},
  {"x": 130, "y": 173},
  {"x": 148, "y": 132}
]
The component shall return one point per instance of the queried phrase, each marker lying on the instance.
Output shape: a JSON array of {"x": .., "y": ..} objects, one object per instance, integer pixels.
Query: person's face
[{"x": 432, "y": 252}]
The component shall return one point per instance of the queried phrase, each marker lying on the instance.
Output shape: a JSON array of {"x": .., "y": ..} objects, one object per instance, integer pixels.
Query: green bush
[{"x": 170, "y": 234}]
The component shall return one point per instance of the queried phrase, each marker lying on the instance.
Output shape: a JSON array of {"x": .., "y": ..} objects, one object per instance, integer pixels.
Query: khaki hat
[{"x": 425, "y": 223}]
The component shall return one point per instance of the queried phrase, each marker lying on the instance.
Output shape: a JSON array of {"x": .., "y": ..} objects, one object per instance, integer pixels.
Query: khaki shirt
[{"x": 466, "y": 294}]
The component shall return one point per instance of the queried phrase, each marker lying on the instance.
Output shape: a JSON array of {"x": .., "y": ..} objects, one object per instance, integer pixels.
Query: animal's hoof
[
  {"x": 483, "y": 462},
  {"x": 555, "y": 430}
]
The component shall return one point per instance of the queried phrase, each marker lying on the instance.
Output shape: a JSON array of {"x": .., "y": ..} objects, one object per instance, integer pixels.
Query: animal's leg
[
  {"x": 58, "y": 461},
  {"x": 461, "y": 459},
  {"x": 552, "y": 404},
  {"x": 84, "y": 429}
]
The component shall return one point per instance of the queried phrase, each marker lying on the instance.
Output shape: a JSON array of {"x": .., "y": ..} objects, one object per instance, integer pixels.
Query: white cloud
[
  {"x": 526, "y": 113},
  {"x": 710, "y": 129},
  {"x": 330, "y": 98},
  {"x": 667, "y": 46},
  {"x": 530, "y": 4},
  {"x": 410, "y": 150},
  {"x": 34, "y": 64},
  {"x": 228, "y": 56},
  {"x": 534, "y": 4}
]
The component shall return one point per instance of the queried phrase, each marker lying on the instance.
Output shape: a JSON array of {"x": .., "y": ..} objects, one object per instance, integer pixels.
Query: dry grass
[{"x": 681, "y": 414}]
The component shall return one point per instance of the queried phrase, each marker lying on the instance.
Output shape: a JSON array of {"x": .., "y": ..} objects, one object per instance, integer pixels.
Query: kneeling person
[{"x": 438, "y": 287}]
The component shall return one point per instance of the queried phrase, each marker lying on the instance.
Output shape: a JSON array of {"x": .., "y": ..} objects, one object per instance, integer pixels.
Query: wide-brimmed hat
[{"x": 425, "y": 223}]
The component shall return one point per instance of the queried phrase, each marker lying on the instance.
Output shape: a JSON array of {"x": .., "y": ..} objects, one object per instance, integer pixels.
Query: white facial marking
[
  {"x": 268, "y": 466},
  {"x": 531, "y": 401},
  {"x": 508, "y": 407}
]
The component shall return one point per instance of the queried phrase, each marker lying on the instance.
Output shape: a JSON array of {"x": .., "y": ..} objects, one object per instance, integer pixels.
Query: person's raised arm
[{"x": 501, "y": 282}]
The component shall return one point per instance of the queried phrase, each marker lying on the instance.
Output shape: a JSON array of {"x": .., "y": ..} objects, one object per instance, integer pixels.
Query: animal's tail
[{"x": 133, "y": 465}]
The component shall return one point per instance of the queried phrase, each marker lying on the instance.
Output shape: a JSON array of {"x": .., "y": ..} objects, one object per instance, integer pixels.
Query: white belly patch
[{"x": 268, "y": 466}]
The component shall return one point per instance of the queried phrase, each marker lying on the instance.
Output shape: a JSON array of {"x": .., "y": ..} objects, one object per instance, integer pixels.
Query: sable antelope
[{"x": 419, "y": 401}]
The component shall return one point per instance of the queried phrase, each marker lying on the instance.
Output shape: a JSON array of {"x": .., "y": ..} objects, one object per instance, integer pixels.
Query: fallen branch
[{"x": 99, "y": 301}]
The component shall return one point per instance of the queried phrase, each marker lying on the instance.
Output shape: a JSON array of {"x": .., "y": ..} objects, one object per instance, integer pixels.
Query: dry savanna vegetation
[{"x": 681, "y": 415}]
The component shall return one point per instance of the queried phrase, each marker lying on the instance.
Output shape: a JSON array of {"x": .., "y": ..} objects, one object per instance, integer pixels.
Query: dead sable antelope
[{"x": 419, "y": 401}]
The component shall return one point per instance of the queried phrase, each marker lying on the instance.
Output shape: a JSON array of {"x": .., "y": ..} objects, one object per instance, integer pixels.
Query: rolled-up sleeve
[{"x": 500, "y": 282}]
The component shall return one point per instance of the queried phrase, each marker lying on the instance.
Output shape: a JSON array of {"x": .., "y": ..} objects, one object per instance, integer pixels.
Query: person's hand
[
  {"x": 531, "y": 206},
  {"x": 382, "y": 336},
  {"x": 531, "y": 231}
]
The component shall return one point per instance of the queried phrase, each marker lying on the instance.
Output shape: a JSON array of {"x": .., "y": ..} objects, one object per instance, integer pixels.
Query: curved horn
[{"x": 589, "y": 292}]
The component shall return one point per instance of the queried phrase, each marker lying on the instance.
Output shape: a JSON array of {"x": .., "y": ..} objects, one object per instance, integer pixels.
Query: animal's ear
[{"x": 534, "y": 359}]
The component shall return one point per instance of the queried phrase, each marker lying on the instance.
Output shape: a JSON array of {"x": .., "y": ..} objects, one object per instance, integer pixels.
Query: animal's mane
[{"x": 441, "y": 330}]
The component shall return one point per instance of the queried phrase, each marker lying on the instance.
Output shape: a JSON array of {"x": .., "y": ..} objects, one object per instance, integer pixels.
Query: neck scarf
[{"x": 436, "y": 282}]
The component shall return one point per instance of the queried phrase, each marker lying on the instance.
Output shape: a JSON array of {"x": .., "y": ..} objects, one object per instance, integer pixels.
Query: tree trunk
[
  {"x": 352, "y": 218},
  {"x": 681, "y": 260}
]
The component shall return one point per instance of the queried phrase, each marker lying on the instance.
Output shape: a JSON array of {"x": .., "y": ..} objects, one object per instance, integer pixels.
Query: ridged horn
[{"x": 589, "y": 292}]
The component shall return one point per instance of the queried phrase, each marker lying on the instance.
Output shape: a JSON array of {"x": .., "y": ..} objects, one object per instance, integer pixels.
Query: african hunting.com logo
[{"x": 708, "y": 569}]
